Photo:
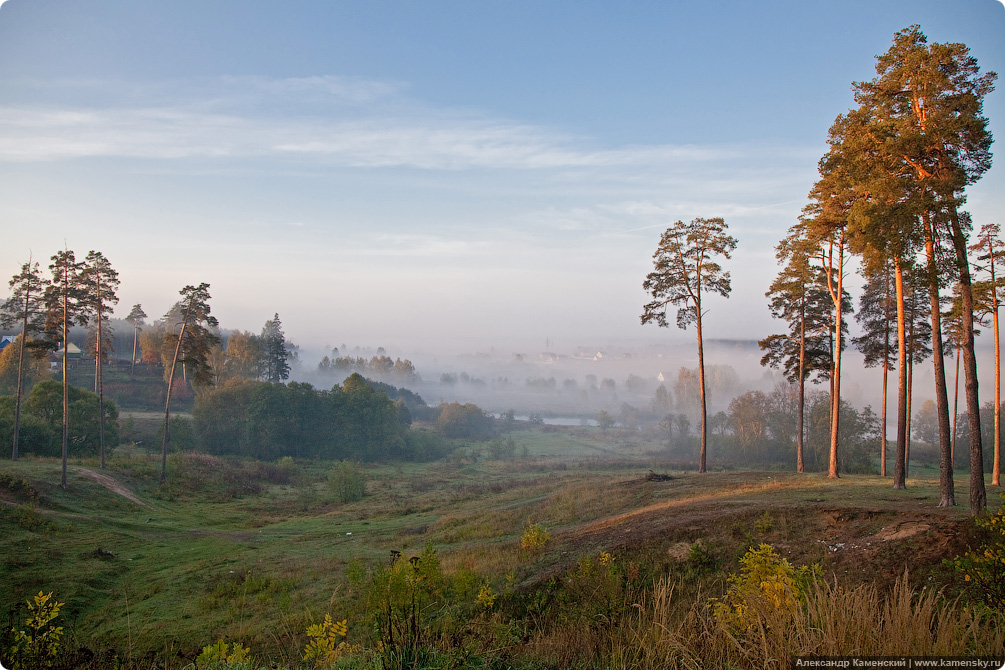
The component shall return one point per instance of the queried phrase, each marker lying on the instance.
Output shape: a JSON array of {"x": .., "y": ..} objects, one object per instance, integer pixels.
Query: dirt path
[{"x": 111, "y": 484}]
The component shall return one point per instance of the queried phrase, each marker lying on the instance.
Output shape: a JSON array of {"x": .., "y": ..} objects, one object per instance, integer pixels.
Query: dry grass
[{"x": 662, "y": 633}]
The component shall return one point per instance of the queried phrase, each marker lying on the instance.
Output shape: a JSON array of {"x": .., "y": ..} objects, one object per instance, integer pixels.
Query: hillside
[{"x": 255, "y": 552}]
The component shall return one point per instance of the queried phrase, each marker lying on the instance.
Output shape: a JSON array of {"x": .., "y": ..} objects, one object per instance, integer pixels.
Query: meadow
[{"x": 584, "y": 548}]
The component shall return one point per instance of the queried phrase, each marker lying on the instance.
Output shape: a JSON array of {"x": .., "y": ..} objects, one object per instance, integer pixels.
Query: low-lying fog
[{"x": 578, "y": 383}]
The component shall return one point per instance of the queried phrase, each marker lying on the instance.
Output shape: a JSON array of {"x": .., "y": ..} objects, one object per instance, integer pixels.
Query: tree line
[{"x": 890, "y": 192}]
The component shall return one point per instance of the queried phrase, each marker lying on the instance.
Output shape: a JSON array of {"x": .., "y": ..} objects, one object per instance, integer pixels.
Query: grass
[{"x": 239, "y": 551}]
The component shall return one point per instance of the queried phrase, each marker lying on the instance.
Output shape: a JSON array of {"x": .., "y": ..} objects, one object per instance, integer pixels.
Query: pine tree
[
  {"x": 929, "y": 134},
  {"x": 26, "y": 306},
  {"x": 991, "y": 255},
  {"x": 99, "y": 282},
  {"x": 877, "y": 307},
  {"x": 65, "y": 306},
  {"x": 799, "y": 297},
  {"x": 135, "y": 318},
  {"x": 192, "y": 345},
  {"x": 273, "y": 341},
  {"x": 685, "y": 267},
  {"x": 824, "y": 222}
]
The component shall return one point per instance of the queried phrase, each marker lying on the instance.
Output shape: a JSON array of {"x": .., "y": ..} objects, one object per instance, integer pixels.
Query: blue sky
[{"x": 434, "y": 174}]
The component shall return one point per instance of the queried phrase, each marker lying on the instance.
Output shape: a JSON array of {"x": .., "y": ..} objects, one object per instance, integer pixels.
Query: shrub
[
  {"x": 37, "y": 647},
  {"x": 765, "y": 578},
  {"x": 467, "y": 421},
  {"x": 325, "y": 644},
  {"x": 535, "y": 536},
  {"x": 221, "y": 656},
  {"x": 983, "y": 570},
  {"x": 347, "y": 482}
]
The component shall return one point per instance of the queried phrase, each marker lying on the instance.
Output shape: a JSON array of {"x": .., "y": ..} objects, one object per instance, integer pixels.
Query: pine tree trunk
[
  {"x": 101, "y": 395},
  {"x": 956, "y": 405},
  {"x": 910, "y": 398},
  {"x": 167, "y": 405},
  {"x": 66, "y": 389},
  {"x": 132, "y": 361},
  {"x": 996, "y": 469},
  {"x": 802, "y": 389},
  {"x": 978, "y": 492},
  {"x": 882, "y": 437},
  {"x": 832, "y": 471},
  {"x": 899, "y": 474},
  {"x": 947, "y": 493},
  {"x": 20, "y": 374},
  {"x": 701, "y": 385}
]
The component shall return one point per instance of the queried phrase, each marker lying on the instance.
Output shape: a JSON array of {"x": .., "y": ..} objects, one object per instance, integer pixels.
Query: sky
[{"x": 435, "y": 175}]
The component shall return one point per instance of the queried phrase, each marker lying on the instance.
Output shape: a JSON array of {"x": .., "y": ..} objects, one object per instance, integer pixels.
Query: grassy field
[{"x": 256, "y": 553}]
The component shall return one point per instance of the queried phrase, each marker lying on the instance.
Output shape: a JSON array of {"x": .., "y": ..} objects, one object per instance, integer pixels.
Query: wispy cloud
[{"x": 342, "y": 121}]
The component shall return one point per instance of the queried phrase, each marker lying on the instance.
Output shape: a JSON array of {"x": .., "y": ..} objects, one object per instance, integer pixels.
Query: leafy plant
[
  {"x": 326, "y": 644},
  {"x": 534, "y": 537},
  {"x": 983, "y": 570},
  {"x": 486, "y": 597},
  {"x": 38, "y": 645},
  {"x": 347, "y": 482},
  {"x": 764, "y": 523},
  {"x": 221, "y": 656},
  {"x": 403, "y": 597},
  {"x": 702, "y": 557},
  {"x": 765, "y": 579}
]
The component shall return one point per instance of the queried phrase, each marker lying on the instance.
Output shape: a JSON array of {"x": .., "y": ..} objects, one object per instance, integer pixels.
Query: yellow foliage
[
  {"x": 486, "y": 598},
  {"x": 535, "y": 536},
  {"x": 38, "y": 646},
  {"x": 220, "y": 655},
  {"x": 766, "y": 580},
  {"x": 325, "y": 645}
]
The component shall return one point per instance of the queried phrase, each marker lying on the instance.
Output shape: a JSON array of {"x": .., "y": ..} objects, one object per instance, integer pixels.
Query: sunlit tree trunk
[
  {"x": 802, "y": 389},
  {"x": 947, "y": 493},
  {"x": 167, "y": 404},
  {"x": 701, "y": 385},
  {"x": 836, "y": 296},
  {"x": 956, "y": 405},
  {"x": 899, "y": 469},
  {"x": 978, "y": 492}
]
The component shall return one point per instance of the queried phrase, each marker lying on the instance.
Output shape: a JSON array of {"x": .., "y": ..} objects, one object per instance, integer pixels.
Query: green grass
[{"x": 200, "y": 561}]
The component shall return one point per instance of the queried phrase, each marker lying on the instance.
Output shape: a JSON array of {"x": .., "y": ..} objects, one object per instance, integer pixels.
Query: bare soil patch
[{"x": 111, "y": 484}]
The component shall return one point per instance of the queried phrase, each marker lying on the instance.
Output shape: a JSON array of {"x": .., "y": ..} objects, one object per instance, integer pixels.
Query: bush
[
  {"x": 221, "y": 656},
  {"x": 347, "y": 482},
  {"x": 983, "y": 570},
  {"x": 42, "y": 421},
  {"x": 765, "y": 580},
  {"x": 38, "y": 647},
  {"x": 535, "y": 536},
  {"x": 467, "y": 421}
]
